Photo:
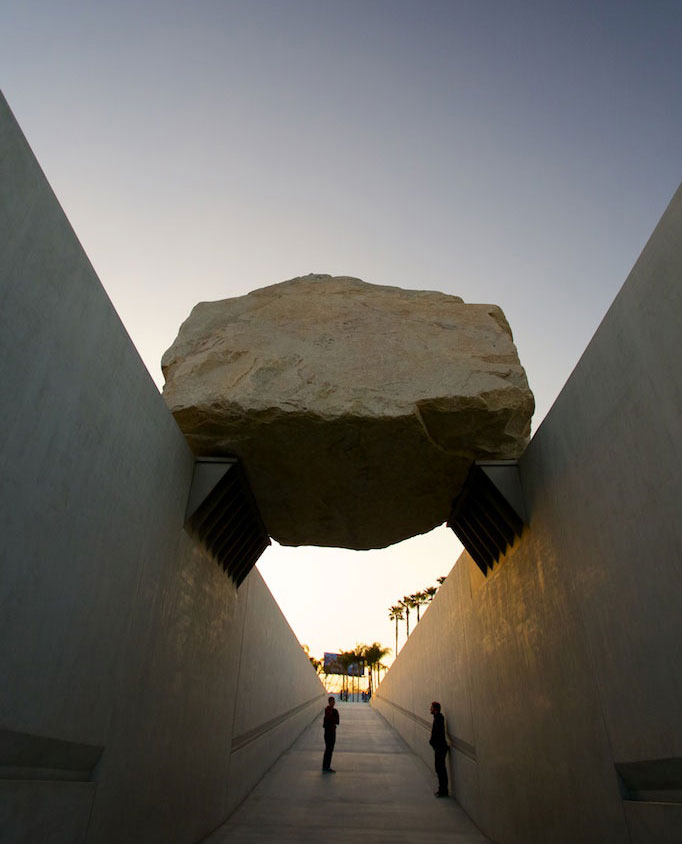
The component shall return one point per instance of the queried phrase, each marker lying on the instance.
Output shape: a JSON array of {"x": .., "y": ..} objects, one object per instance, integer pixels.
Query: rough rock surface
[{"x": 356, "y": 409}]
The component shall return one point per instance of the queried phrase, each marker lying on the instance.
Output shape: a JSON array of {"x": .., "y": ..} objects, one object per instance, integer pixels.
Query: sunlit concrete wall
[
  {"x": 135, "y": 681},
  {"x": 565, "y": 661}
]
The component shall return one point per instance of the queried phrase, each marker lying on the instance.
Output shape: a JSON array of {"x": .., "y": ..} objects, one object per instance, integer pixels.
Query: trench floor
[{"x": 381, "y": 792}]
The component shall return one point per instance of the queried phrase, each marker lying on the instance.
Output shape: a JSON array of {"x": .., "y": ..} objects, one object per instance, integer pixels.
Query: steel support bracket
[
  {"x": 489, "y": 512},
  {"x": 222, "y": 515}
]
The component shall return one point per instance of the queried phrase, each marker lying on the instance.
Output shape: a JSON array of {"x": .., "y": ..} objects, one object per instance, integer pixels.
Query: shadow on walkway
[{"x": 381, "y": 792}]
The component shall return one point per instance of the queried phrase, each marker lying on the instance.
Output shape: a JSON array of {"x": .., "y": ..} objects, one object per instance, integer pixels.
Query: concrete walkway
[{"x": 381, "y": 792}]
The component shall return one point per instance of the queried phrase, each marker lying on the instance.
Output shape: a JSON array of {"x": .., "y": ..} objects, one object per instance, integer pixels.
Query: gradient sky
[{"x": 518, "y": 153}]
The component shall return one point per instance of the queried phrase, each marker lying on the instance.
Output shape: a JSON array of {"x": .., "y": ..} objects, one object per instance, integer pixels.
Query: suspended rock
[{"x": 356, "y": 409}]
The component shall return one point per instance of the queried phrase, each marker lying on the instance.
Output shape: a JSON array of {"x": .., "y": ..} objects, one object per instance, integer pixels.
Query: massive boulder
[{"x": 356, "y": 409}]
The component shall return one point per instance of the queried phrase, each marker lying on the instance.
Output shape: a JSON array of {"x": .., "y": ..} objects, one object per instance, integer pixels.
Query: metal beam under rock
[
  {"x": 489, "y": 512},
  {"x": 222, "y": 516}
]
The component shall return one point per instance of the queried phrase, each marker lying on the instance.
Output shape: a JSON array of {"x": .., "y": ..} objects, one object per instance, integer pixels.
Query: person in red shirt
[{"x": 329, "y": 724}]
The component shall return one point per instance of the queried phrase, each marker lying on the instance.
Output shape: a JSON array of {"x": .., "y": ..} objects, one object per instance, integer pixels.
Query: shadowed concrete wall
[
  {"x": 279, "y": 693},
  {"x": 130, "y": 665},
  {"x": 564, "y": 662}
]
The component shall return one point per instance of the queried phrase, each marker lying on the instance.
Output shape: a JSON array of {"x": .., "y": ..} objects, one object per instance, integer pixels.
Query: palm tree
[
  {"x": 430, "y": 593},
  {"x": 407, "y": 604},
  {"x": 345, "y": 659},
  {"x": 381, "y": 667},
  {"x": 360, "y": 652},
  {"x": 316, "y": 663},
  {"x": 348, "y": 658},
  {"x": 374, "y": 653},
  {"x": 441, "y": 580},
  {"x": 396, "y": 613},
  {"x": 418, "y": 600}
]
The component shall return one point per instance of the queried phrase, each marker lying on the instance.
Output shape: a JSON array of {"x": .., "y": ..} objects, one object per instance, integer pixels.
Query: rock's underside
[{"x": 356, "y": 409}]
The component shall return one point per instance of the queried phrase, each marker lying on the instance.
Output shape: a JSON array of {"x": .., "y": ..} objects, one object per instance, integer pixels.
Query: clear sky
[{"x": 518, "y": 153}]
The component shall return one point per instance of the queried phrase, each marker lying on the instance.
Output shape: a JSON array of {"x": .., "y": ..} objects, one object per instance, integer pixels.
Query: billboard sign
[{"x": 332, "y": 665}]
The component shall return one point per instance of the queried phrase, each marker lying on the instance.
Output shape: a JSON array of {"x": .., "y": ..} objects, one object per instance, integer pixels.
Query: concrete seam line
[
  {"x": 256, "y": 732},
  {"x": 459, "y": 744},
  {"x": 241, "y": 652}
]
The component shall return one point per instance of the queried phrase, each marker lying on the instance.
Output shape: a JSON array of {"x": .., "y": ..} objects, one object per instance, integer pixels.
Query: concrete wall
[
  {"x": 271, "y": 695},
  {"x": 564, "y": 662},
  {"x": 129, "y": 662}
]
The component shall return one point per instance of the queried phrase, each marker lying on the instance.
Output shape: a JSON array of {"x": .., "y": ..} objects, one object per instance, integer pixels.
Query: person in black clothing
[
  {"x": 439, "y": 743},
  {"x": 329, "y": 723}
]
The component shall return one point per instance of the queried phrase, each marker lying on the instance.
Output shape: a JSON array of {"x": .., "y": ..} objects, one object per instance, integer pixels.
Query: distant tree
[
  {"x": 361, "y": 652},
  {"x": 345, "y": 660},
  {"x": 418, "y": 600},
  {"x": 381, "y": 667},
  {"x": 374, "y": 653},
  {"x": 396, "y": 613},
  {"x": 430, "y": 593},
  {"x": 341, "y": 664},
  {"x": 407, "y": 603},
  {"x": 316, "y": 663},
  {"x": 441, "y": 580}
]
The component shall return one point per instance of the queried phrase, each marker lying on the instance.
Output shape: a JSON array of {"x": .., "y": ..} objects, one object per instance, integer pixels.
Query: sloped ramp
[{"x": 381, "y": 792}]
